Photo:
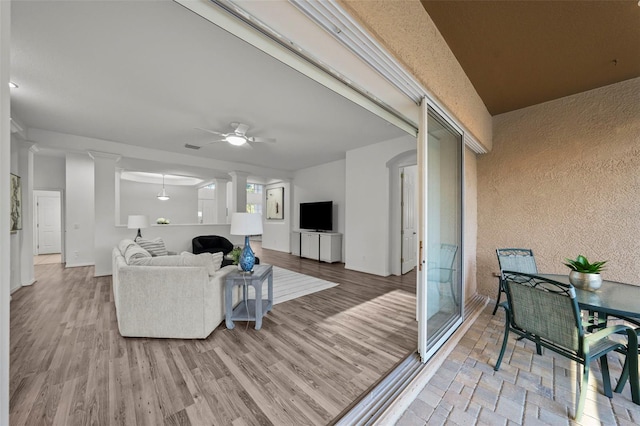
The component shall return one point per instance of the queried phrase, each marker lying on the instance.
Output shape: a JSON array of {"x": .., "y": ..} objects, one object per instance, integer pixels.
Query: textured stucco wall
[
  {"x": 405, "y": 29},
  {"x": 470, "y": 221},
  {"x": 564, "y": 179}
]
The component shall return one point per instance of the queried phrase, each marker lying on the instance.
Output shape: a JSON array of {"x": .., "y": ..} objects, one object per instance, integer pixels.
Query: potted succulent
[
  {"x": 235, "y": 255},
  {"x": 583, "y": 274}
]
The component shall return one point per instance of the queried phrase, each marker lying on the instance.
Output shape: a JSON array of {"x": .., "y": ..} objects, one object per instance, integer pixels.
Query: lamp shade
[
  {"x": 246, "y": 224},
  {"x": 137, "y": 221}
]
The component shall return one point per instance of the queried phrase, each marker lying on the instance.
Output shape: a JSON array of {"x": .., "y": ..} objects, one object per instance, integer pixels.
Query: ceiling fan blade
[
  {"x": 212, "y": 131},
  {"x": 256, "y": 139},
  {"x": 240, "y": 129},
  {"x": 196, "y": 145}
]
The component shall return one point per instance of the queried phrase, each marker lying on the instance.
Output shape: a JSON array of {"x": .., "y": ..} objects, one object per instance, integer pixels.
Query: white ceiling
[{"x": 149, "y": 73}]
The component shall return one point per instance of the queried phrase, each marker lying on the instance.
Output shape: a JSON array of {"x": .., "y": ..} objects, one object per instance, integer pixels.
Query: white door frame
[{"x": 406, "y": 266}]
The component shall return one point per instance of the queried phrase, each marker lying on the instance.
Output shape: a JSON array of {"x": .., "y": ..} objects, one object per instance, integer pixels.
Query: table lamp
[
  {"x": 137, "y": 221},
  {"x": 246, "y": 224}
]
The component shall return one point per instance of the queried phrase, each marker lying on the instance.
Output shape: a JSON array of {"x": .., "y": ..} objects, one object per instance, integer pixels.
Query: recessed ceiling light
[{"x": 13, "y": 85}]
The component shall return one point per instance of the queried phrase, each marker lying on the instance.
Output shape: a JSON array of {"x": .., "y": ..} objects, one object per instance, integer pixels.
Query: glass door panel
[{"x": 444, "y": 227}]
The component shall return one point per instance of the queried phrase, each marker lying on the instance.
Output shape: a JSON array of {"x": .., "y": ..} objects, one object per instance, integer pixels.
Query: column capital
[
  {"x": 237, "y": 174},
  {"x": 104, "y": 155}
]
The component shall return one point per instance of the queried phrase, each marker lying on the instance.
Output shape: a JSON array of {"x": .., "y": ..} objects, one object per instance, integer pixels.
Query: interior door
[
  {"x": 48, "y": 222},
  {"x": 409, "y": 215}
]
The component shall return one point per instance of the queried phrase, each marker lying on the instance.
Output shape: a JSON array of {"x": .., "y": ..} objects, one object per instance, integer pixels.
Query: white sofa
[{"x": 167, "y": 299}]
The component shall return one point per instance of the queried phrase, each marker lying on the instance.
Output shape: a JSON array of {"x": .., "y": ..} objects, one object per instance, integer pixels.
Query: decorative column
[
  {"x": 238, "y": 192},
  {"x": 221, "y": 200},
  {"x": 25, "y": 165},
  {"x": 105, "y": 214}
]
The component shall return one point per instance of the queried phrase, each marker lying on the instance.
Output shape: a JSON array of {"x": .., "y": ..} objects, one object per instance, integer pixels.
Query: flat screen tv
[{"x": 317, "y": 216}]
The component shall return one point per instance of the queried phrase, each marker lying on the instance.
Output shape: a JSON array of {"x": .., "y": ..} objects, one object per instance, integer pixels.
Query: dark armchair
[{"x": 214, "y": 244}]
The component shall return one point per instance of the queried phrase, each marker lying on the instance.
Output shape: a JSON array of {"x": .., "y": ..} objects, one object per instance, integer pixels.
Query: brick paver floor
[{"x": 529, "y": 389}]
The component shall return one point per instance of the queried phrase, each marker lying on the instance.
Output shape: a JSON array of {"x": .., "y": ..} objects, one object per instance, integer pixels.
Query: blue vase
[{"x": 247, "y": 257}]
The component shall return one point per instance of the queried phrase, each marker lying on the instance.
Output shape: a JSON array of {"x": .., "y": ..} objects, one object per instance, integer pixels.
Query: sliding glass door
[{"x": 441, "y": 280}]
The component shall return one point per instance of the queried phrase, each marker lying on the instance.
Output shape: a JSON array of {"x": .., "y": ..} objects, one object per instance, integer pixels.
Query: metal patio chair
[
  {"x": 546, "y": 312},
  {"x": 513, "y": 259},
  {"x": 443, "y": 273}
]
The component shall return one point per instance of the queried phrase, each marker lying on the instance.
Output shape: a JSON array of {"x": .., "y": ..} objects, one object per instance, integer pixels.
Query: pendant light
[{"x": 163, "y": 194}]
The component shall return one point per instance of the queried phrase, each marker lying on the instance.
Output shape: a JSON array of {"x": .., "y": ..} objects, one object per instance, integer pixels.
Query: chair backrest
[
  {"x": 544, "y": 308},
  {"x": 447, "y": 255},
  {"x": 517, "y": 259},
  {"x": 444, "y": 271},
  {"x": 211, "y": 244}
]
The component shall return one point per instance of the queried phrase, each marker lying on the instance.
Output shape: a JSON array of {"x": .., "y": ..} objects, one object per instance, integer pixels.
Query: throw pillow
[
  {"x": 155, "y": 247},
  {"x": 124, "y": 245},
  {"x": 135, "y": 252}
]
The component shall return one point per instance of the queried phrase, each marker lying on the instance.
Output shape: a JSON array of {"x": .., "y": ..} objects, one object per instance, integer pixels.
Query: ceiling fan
[{"x": 237, "y": 137}]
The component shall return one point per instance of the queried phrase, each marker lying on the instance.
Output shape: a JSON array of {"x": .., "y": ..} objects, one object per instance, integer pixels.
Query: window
[{"x": 254, "y": 188}]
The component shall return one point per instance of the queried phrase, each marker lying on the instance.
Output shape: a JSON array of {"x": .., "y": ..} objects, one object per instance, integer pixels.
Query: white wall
[
  {"x": 15, "y": 237},
  {"x": 325, "y": 182},
  {"x": 5, "y": 169},
  {"x": 79, "y": 210},
  {"x": 141, "y": 198},
  {"x": 367, "y": 215},
  {"x": 25, "y": 169},
  {"x": 48, "y": 172},
  {"x": 275, "y": 235}
]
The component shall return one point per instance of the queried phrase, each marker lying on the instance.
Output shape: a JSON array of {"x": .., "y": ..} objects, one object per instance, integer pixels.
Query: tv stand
[{"x": 323, "y": 246}]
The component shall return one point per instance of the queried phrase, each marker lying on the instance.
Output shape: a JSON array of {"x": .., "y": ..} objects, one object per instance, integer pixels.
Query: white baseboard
[{"x": 28, "y": 283}]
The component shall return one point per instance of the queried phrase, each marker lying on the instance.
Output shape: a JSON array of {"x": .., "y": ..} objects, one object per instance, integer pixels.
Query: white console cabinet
[{"x": 321, "y": 246}]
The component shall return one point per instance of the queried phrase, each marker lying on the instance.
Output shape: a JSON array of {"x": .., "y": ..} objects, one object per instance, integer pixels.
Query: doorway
[{"x": 47, "y": 215}]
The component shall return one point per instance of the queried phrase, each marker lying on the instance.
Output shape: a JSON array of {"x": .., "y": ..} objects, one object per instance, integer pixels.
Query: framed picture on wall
[
  {"x": 16, "y": 203},
  {"x": 275, "y": 203}
]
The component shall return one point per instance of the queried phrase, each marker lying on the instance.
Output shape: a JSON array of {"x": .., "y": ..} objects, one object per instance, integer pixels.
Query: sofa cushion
[
  {"x": 155, "y": 247},
  {"x": 135, "y": 252},
  {"x": 206, "y": 260},
  {"x": 212, "y": 261}
]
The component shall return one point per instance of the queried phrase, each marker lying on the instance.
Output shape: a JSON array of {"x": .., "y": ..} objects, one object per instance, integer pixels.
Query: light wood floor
[
  {"x": 312, "y": 358},
  {"x": 44, "y": 259}
]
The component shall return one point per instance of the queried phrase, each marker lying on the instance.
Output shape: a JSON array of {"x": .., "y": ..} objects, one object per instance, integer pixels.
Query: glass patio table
[{"x": 613, "y": 298}]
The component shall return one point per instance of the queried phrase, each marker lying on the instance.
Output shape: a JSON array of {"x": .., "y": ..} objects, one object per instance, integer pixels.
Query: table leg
[
  {"x": 258, "y": 307},
  {"x": 632, "y": 358},
  {"x": 270, "y": 289},
  {"x": 228, "y": 304}
]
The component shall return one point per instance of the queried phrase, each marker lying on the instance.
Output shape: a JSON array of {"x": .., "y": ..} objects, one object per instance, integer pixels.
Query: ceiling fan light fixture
[{"x": 236, "y": 140}]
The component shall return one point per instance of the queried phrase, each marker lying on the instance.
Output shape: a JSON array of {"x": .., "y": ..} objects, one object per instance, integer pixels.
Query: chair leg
[
  {"x": 453, "y": 294},
  {"x": 632, "y": 363},
  {"x": 606, "y": 378},
  {"x": 500, "y": 290},
  {"x": 504, "y": 339},
  {"x": 583, "y": 392},
  {"x": 624, "y": 376}
]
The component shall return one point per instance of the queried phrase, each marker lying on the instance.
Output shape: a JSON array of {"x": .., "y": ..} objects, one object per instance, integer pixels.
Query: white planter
[{"x": 585, "y": 281}]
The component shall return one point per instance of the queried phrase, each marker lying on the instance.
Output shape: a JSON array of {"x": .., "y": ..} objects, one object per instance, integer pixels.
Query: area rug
[{"x": 288, "y": 285}]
